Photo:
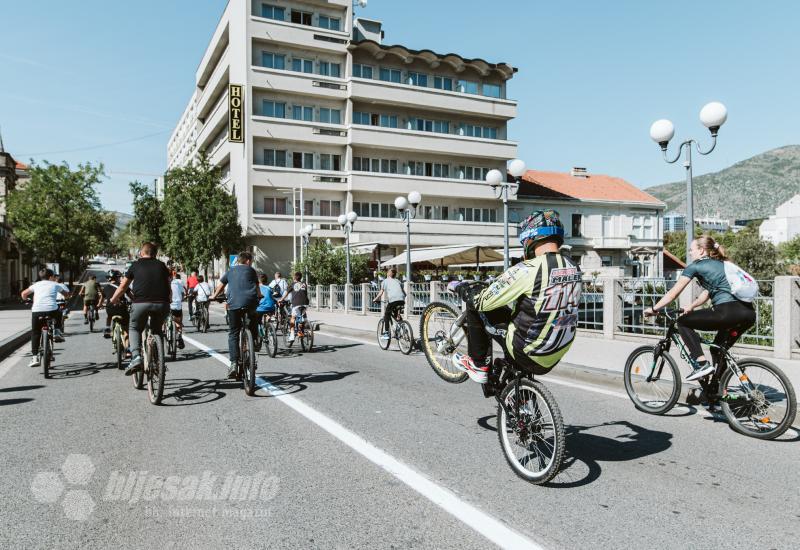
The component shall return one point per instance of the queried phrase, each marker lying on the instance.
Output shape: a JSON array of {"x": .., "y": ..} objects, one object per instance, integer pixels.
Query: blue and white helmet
[{"x": 540, "y": 225}]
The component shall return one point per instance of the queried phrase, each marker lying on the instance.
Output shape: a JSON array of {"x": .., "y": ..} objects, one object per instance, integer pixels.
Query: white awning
[{"x": 448, "y": 255}]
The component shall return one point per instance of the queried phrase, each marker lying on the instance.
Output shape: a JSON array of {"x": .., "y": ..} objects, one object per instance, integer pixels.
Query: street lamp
[
  {"x": 305, "y": 234},
  {"x": 713, "y": 115},
  {"x": 496, "y": 179},
  {"x": 347, "y": 221},
  {"x": 407, "y": 208}
]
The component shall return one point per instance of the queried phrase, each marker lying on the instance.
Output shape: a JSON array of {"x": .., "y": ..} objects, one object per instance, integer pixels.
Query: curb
[{"x": 12, "y": 343}]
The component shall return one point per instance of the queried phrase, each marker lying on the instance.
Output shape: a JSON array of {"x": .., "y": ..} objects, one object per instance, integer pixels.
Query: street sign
[{"x": 232, "y": 260}]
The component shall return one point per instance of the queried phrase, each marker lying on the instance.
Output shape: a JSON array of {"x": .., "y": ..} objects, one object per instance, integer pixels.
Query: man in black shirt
[
  {"x": 243, "y": 295},
  {"x": 151, "y": 296}
]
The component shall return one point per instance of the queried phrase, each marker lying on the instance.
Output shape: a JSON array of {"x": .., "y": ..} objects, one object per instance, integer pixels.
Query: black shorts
[{"x": 177, "y": 313}]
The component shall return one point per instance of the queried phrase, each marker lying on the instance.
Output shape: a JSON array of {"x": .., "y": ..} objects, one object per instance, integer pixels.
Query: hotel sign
[{"x": 235, "y": 124}]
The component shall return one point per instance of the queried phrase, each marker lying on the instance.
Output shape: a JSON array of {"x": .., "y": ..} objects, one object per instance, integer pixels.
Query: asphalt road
[{"x": 352, "y": 447}]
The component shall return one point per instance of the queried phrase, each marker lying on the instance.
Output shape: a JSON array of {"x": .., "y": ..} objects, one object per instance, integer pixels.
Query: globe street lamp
[
  {"x": 496, "y": 179},
  {"x": 407, "y": 208},
  {"x": 305, "y": 234},
  {"x": 347, "y": 221},
  {"x": 713, "y": 115}
]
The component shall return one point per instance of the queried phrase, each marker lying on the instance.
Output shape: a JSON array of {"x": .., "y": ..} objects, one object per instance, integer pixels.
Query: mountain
[
  {"x": 749, "y": 189},
  {"x": 122, "y": 220}
]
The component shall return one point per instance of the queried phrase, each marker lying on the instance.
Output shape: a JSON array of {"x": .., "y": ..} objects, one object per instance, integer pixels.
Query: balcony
[
  {"x": 305, "y": 36},
  {"x": 287, "y": 129},
  {"x": 286, "y": 178},
  {"x": 217, "y": 118},
  {"x": 315, "y": 85},
  {"x": 432, "y": 98},
  {"x": 377, "y": 182},
  {"x": 429, "y": 142},
  {"x": 218, "y": 80}
]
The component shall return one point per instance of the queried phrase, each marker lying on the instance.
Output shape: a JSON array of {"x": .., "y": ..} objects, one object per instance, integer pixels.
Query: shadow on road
[
  {"x": 20, "y": 388},
  {"x": 294, "y": 383},
  {"x": 76, "y": 370},
  {"x": 4, "y": 402},
  {"x": 179, "y": 392}
]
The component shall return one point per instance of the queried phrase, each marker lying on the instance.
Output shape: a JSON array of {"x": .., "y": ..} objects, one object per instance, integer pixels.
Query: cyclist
[
  {"x": 280, "y": 291},
  {"x": 243, "y": 294},
  {"x": 63, "y": 311},
  {"x": 299, "y": 292},
  {"x": 113, "y": 277},
  {"x": 267, "y": 304},
  {"x": 45, "y": 293},
  {"x": 538, "y": 297},
  {"x": 395, "y": 296},
  {"x": 191, "y": 282},
  {"x": 148, "y": 278},
  {"x": 728, "y": 315},
  {"x": 178, "y": 292},
  {"x": 91, "y": 295},
  {"x": 201, "y": 292}
]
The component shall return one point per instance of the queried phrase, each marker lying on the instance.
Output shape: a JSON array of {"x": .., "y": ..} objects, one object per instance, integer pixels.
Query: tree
[
  {"x": 327, "y": 265},
  {"x": 201, "y": 219},
  {"x": 57, "y": 214},
  {"x": 675, "y": 242},
  {"x": 147, "y": 214},
  {"x": 790, "y": 251},
  {"x": 752, "y": 253}
]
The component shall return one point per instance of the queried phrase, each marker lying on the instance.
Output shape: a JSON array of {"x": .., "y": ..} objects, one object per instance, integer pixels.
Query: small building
[
  {"x": 784, "y": 225},
  {"x": 674, "y": 221},
  {"x": 15, "y": 264}
]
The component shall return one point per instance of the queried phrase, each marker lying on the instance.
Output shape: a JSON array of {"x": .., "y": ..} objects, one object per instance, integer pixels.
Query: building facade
[
  {"x": 613, "y": 228},
  {"x": 331, "y": 119},
  {"x": 784, "y": 225},
  {"x": 15, "y": 263}
]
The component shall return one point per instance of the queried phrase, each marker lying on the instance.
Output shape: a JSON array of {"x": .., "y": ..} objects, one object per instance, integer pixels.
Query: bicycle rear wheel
[
  {"x": 270, "y": 339},
  {"x": 534, "y": 441},
  {"x": 46, "y": 351},
  {"x": 204, "y": 319},
  {"x": 384, "y": 340},
  {"x": 653, "y": 383},
  {"x": 156, "y": 369},
  {"x": 247, "y": 356},
  {"x": 119, "y": 348},
  {"x": 307, "y": 341},
  {"x": 172, "y": 340},
  {"x": 406, "y": 337},
  {"x": 770, "y": 408},
  {"x": 435, "y": 326},
  {"x": 91, "y": 319}
]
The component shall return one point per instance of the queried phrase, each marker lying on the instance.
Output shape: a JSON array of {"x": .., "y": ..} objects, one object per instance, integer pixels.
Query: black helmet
[
  {"x": 113, "y": 274},
  {"x": 540, "y": 225}
]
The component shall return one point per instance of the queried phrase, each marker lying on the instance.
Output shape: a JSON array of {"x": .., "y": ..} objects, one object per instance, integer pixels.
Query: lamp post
[
  {"x": 496, "y": 179},
  {"x": 407, "y": 207},
  {"x": 347, "y": 221},
  {"x": 712, "y": 115},
  {"x": 305, "y": 234}
]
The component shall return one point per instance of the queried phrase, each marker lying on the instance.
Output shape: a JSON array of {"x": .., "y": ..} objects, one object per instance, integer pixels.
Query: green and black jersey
[{"x": 543, "y": 294}]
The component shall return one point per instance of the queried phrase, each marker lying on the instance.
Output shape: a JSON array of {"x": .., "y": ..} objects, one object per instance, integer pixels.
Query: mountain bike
[
  {"x": 756, "y": 397},
  {"x": 399, "y": 329},
  {"x": 92, "y": 315},
  {"x": 246, "y": 365},
  {"x": 268, "y": 335},
  {"x": 172, "y": 337},
  {"x": 117, "y": 342},
  {"x": 155, "y": 365},
  {"x": 304, "y": 331},
  {"x": 530, "y": 427},
  {"x": 200, "y": 318}
]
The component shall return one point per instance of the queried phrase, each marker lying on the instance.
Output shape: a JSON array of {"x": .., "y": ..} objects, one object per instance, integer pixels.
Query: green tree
[
  {"x": 790, "y": 251},
  {"x": 752, "y": 253},
  {"x": 327, "y": 265},
  {"x": 201, "y": 219},
  {"x": 57, "y": 214},
  {"x": 675, "y": 242},
  {"x": 147, "y": 215}
]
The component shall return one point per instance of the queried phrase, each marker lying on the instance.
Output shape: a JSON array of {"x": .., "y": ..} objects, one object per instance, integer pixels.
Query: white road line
[{"x": 485, "y": 524}]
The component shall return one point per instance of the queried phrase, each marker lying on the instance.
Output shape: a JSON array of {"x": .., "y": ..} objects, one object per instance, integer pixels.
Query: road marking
[{"x": 485, "y": 524}]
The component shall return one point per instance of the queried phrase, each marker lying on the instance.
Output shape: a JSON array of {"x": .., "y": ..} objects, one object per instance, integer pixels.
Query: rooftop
[{"x": 598, "y": 187}]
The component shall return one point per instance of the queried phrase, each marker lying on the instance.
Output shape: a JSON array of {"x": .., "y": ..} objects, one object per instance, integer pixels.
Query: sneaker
[
  {"x": 385, "y": 336},
  {"x": 34, "y": 362},
  {"x": 58, "y": 336},
  {"x": 232, "y": 370},
  {"x": 291, "y": 336},
  {"x": 85, "y": 320},
  {"x": 464, "y": 362},
  {"x": 700, "y": 372},
  {"x": 107, "y": 333},
  {"x": 135, "y": 366}
]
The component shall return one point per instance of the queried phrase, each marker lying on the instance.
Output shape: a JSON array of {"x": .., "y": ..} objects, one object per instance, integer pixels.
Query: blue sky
[{"x": 112, "y": 78}]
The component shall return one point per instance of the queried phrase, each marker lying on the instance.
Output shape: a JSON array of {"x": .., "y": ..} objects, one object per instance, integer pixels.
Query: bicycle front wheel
[
  {"x": 653, "y": 382},
  {"x": 307, "y": 341},
  {"x": 119, "y": 349},
  {"x": 761, "y": 403},
  {"x": 270, "y": 339},
  {"x": 156, "y": 370},
  {"x": 531, "y": 431},
  {"x": 435, "y": 328},
  {"x": 91, "y": 319},
  {"x": 405, "y": 339},
  {"x": 247, "y": 353},
  {"x": 383, "y": 339},
  {"x": 46, "y": 351}
]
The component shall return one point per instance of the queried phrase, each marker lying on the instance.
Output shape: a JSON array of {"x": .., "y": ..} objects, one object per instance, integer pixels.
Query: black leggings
[
  {"x": 391, "y": 313},
  {"x": 730, "y": 319}
]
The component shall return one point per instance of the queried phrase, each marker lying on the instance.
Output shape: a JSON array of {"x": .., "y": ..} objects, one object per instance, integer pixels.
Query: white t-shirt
[
  {"x": 281, "y": 284},
  {"x": 45, "y": 295},
  {"x": 177, "y": 294},
  {"x": 202, "y": 291}
]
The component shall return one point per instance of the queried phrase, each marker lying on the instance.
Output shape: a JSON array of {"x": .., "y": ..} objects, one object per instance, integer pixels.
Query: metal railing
[
  {"x": 442, "y": 295},
  {"x": 633, "y": 297},
  {"x": 355, "y": 298},
  {"x": 312, "y": 296},
  {"x": 420, "y": 297},
  {"x": 590, "y": 309},
  {"x": 338, "y": 296},
  {"x": 761, "y": 334},
  {"x": 324, "y": 297},
  {"x": 372, "y": 293}
]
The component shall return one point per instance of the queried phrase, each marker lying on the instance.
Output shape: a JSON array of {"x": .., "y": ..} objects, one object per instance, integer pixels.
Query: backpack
[{"x": 743, "y": 285}]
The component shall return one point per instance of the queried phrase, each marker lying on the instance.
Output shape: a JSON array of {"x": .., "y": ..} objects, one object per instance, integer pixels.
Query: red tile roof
[
  {"x": 21, "y": 166},
  {"x": 538, "y": 183}
]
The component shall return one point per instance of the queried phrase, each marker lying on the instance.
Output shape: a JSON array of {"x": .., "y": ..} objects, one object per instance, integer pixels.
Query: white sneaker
[
  {"x": 464, "y": 362},
  {"x": 700, "y": 372},
  {"x": 34, "y": 362},
  {"x": 291, "y": 336}
]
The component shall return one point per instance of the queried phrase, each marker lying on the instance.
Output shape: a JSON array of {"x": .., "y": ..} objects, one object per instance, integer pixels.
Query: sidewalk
[{"x": 15, "y": 328}]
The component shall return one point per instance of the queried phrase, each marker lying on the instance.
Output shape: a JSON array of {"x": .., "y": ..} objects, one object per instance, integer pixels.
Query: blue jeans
[{"x": 235, "y": 327}]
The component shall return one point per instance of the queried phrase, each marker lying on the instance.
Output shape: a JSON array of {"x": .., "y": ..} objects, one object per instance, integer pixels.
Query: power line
[{"x": 92, "y": 147}]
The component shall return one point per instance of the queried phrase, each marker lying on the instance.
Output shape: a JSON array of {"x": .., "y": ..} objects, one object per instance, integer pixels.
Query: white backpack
[{"x": 743, "y": 286}]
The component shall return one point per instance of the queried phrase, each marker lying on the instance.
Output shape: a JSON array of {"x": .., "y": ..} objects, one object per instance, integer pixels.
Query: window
[
  {"x": 274, "y": 157},
  {"x": 362, "y": 71},
  {"x": 648, "y": 227},
  {"x": 471, "y": 130},
  {"x": 417, "y": 79},
  {"x": 330, "y": 69},
  {"x": 331, "y": 116},
  {"x": 308, "y": 209},
  {"x": 272, "y": 12},
  {"x": 607, "y": 228},
  {"x": 273, "y": 109},
  {"x": 467, "y": 87},
  {"x": 302, "y": 65},
  {"x": 301, "y": 17},
  {"x": 443, "y": 83},
  {"x": 606, "y": 261},
  {"x": 330, "y": 162},
  {"x": 489, "y": 133},
  {"x": 576, "y": 225},
  {"x": 303, "y": 160},
  {"x": 375, "y": 165},
  {"x": 301, "y": 112},
  {"x": 332, "y": 23},
  {"x": 637, "y": 227},
  {"x": 273, "y": 60},
  {"x": 441, "y": 126},
  {"x": 492, "y": 90},
  {"x": 388, "y": 121},
  {"x": 360, "y": 118},
  {"x": 330, "y": 208},
  {"x": 428, "y": 212},
  {"x": 375, "y": 210},
  {"x": 390, "y": 75},
  {"x": 273, "y": 205}
]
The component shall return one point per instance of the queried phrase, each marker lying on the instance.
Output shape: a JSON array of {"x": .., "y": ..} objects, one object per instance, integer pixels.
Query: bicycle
[
  {"x": 91, "y": 312},
  {"x": 751, "y": 405},
  {"x": 268, "y": 334},
  {"x": 304, "y": 331},
  {"x": 200, "y": 317},
  {"x": 530, "y": 426},
  {"x": 155, "y": 367},
  {"x": 399, "y": 329},
  {"x": 117, "y": 343},
  {"x": 46, "y": 345},
  {"x": 172, "y": 337},
  {"x": 246, "y": 365}
]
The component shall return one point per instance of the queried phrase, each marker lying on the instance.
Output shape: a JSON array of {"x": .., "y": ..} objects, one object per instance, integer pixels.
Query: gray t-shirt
[
  {"x": 242, "y": 282},
  {"x": 710, "y": 273},
  {"x": 393, "y": 290}
]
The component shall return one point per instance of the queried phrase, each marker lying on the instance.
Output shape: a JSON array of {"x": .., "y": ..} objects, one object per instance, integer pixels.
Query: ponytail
[{"x": 711, "y": 247}]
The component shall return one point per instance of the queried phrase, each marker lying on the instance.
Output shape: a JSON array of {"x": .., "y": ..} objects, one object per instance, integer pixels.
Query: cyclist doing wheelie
[
  {"x": 730, "y": 290},
  {"x": 45, "y": 293},
  {"x": 538, "y": 297},
  {"x": 116, "y": 310},
  {"x": 395, "y": 298}
]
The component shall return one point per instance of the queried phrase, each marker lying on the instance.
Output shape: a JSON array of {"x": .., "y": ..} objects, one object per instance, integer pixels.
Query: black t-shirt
[
  {"x": 299, "y": 294},
  {"x": 108, "y": 292},
  {"x": 242, "y": 281},
  {"x": 150, "y": 281}
]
